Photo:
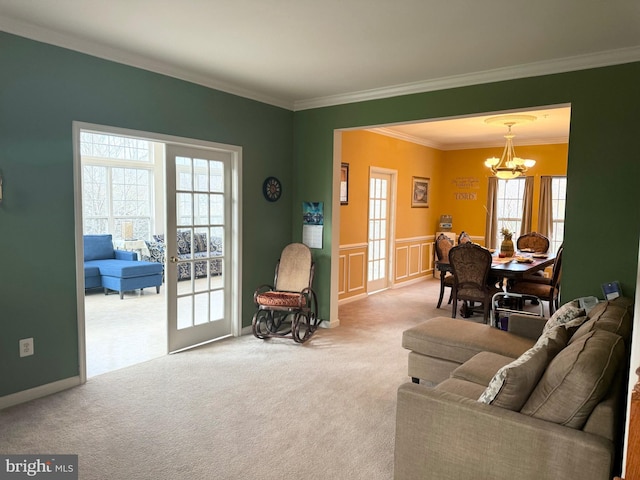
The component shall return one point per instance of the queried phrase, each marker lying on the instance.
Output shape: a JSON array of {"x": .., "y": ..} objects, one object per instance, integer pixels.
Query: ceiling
[
  {"x": 551, "y": 125},
  {"x": 301, "y": 54}
]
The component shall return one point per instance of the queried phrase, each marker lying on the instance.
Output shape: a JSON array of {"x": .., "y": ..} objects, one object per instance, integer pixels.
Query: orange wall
[
  {"x": 462, "y": 165},
  {"x": 361, "y": 150},
  {"x": 458, "y": 183}
]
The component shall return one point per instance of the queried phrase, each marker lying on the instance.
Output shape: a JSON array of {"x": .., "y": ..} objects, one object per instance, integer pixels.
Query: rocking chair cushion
[{"x": 281, "y": 299}]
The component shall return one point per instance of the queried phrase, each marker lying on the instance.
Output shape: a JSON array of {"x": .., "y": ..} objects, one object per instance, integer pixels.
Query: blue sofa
[{"x": 116, "y": 269}]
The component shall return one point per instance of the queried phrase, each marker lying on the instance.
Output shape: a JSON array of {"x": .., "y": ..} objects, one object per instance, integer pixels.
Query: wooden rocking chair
[{"x": 289, "y": 308}]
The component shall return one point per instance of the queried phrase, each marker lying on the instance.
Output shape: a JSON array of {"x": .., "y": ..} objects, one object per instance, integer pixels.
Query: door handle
[{"x": 173, "y": 259}]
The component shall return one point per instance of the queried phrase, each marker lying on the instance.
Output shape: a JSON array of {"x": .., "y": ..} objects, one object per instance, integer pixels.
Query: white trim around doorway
[{"x": 236, "y": 234}]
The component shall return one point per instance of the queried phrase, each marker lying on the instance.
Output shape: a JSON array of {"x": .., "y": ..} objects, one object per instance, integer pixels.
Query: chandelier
[{"x": 509, "y": 165}]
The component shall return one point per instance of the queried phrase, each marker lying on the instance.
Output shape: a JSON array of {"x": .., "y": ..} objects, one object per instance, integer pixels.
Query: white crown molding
[
  {"x": 409, "y": 138},
  {"x": 133, "y": 60},
  {"x": 522, "y": 143},
  {"x": 561, "y": 65},
  {"x": 581, "y": 62},
  {"x": 389, "y": 132}
]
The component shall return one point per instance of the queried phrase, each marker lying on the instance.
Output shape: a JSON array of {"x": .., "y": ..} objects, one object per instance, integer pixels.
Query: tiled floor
[{"x": 124, "y": 332}]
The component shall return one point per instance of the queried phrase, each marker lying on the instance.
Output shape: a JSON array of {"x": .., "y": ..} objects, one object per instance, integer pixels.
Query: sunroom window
[{"x": 117, "y": 184}]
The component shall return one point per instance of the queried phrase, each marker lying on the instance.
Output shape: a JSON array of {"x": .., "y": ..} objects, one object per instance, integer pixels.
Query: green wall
[
  {"x": 602, "y": 215},
  {"x": 43, "y": 89}
]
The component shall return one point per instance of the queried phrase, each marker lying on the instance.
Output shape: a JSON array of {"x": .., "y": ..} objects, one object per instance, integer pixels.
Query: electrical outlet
[{"x": 26, "y": 347}]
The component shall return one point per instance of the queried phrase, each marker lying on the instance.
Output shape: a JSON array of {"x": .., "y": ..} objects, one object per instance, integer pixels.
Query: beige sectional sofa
[{"x": 544, "y": 400}]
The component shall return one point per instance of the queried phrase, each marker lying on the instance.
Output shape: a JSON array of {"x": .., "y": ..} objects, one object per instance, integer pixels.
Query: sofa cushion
[
  {"x": 481, "y": 368},
  {"x": 611, "y": 316},
  {"x": 570, "y": 314},
  {"x": 512, "y": 384},
  {"x": 98, "y": 247},
  {"x": 126, "y": 268},
  {"x": 281, "y": 299},
  {"x": 460, "y": 387},
  {"x": 577, "y": 379},
  {"x": 91, "y": 271},
  {"x": 216, "y": 245},
  {"x": 458, "y": 340},
  {"x": 199, "y": 242}
]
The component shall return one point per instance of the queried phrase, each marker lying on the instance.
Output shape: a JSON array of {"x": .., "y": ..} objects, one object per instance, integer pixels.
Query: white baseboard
[
  {"x": 323, "y": 324},
  {"x": 330, "y": 323},
  {"x": 38, "y": 392},
  {"x": 423, "y": 278},
  {"x": 353, "y": 299},
  {"x": 360, "y": 296}
]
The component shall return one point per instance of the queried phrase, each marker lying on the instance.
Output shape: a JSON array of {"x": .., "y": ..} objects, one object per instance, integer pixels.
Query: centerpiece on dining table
[{"x": 506, "y": 247}]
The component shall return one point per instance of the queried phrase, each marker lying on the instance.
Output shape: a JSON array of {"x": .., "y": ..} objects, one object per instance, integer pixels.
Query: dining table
[{"x": 521, "y": 264}]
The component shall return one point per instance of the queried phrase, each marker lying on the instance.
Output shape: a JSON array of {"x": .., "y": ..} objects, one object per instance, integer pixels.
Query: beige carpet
[{"x": 241, "y": 408}]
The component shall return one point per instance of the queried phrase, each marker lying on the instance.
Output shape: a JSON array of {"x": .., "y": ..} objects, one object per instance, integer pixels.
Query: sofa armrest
[
  {"x": 156, "y": 252},
  {"x": 526, "y": 326},
  {"x": 125, "y": 255},
  {"x": 445, "y": 436}
]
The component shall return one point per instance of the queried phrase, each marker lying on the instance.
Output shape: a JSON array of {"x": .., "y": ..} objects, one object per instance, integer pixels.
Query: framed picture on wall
[
  {"x": 344, "y": 184},
  {"x": 420, "y": 192}
]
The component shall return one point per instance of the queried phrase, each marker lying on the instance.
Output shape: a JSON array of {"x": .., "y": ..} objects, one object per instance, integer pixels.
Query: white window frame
[
  {"x": 110, "y": 152},
  {"x": 509, "y": 216},
  {"x": 558, "y": 201}
]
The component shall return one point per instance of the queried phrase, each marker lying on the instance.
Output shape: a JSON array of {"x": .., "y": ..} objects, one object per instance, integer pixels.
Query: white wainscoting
[
  {"x": 352, "y": 271},
  {"x": 413, "y": 260}
]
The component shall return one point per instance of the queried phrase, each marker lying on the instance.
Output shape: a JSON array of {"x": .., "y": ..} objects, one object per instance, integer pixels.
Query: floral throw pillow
[
  {"x": 569, "y": 315},
  {"x": 511, "y": 386},
  {"x": 184, "y": 242}
]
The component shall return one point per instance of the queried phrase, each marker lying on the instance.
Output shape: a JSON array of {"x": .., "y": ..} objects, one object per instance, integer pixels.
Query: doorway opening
[
  {"x": 381, "y": 220},
  {"x": 449, "y": 154},
  {"x": 137, "y": 187}
]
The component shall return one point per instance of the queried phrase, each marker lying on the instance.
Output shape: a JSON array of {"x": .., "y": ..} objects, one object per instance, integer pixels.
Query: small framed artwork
[
  {"x": 344, "y": 184},
  {"x": 420, "y": 192}
]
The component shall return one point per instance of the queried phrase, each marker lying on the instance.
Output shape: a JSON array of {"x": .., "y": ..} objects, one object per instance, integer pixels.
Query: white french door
[
  {"x": 198, "y": 245},
  {"x": 380, "y": 227}
]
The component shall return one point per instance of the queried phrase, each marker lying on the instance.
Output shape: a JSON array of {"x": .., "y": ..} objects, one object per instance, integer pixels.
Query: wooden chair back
[
  {"x": 464, "y": 238},
  {"x": 294, "y": 271},
  {"x": 470, "y": 264},
  {"x": 533, "y": 240},
  {"x": 443, "y": 245}
]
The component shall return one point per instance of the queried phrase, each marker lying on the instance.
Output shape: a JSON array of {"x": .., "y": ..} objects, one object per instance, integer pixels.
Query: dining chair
[
  {"x": 547, "y": 289},
  {"x": 443, "y": 246},
  {"x": 464, "y": 238},
  {"x": 471, "y": 264},
  {"x": 534, "y": 241}
]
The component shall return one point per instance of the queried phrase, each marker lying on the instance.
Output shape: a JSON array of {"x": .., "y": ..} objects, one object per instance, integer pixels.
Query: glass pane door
[
  {"x": 378, "y": 243},
  {"x": 198, "y": 212}
]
